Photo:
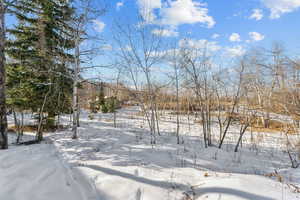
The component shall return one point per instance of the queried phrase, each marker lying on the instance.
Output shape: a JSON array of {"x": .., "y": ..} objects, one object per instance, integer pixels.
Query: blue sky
[
  {"x": 272, "y": 20},
  {"x": 230, "y": 26}
]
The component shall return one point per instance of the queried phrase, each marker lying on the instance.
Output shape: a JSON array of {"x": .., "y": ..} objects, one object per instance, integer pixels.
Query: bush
[
  {"x": 50, "y": 122},
  {"x": 111, "y": 105},
  {"x": 104, "y": 108}
]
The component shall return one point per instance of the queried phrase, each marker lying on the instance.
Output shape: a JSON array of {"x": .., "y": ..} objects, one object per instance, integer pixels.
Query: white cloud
[
  {"x": 257, "y": 14},
  {"x": 210, "y": 46},
  {"x": 280, "y": 7},
  {"x": 215, "y": 36},
  {"x": 255, "y": 36},
  {"x": 179, "y": 12},
  {"x": 146, "y": 9},
  {"x": 174, "y": 13},
  {"x": 235, "y": 51},
  {"x": 119, "y": 5},
  {"x": 235, "y": 37},
  {"x": 98, "y": 25},
  {"x": 165, "y": 32}
]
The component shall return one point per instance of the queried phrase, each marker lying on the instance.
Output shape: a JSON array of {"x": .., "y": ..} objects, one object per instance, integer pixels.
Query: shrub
[
  {"x": 104, "y": 108},
  {"x": 111, "y": 105}
]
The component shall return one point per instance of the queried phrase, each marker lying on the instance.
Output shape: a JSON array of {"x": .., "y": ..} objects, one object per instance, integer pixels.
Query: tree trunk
[
  {"x": 115, "y": 119},
  {"x": 177, "y": 116},
  {"x": 75, "y": 91},
  {"x": 3, "y": 119},
  {"x": 39, "y": 134},
  {"x": 17, "y": 126},
  {"x": 225, "y": 131},
  {"x": 242, "y": 131},
  {"x": 157, "y": 119}
]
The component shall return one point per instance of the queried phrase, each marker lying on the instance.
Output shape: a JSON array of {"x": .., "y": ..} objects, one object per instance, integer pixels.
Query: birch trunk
[{"x": 75, "y": 91}]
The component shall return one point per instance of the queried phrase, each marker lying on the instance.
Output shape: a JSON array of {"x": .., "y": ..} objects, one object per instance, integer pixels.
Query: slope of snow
[{"x": 108, "y": 163}]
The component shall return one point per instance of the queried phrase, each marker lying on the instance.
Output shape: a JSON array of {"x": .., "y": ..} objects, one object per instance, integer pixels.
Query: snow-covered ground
[
  {"x": 108, "y": 163},
  {"x": 36, "y": 172}
]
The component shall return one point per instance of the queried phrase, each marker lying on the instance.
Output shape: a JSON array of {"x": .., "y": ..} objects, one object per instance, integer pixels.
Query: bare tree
[
  {"x": 139, "y": 52},
  {"x": 84, "y": 16},
  {"x": 234, "y": 101},
  {"x": 220, "y": 88},
  {"x": 176, "y": 62},
  {"x": 197, "y": 66},
  {"x": 116, "y": 91},
  {"x": 268, "y": 75},
  {"x": 247, "y": 116}
]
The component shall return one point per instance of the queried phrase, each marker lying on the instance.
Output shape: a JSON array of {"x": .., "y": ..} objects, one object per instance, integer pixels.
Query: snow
[
  {"x": 108, "y": 163},
  {"x": 37, "y": 172}
]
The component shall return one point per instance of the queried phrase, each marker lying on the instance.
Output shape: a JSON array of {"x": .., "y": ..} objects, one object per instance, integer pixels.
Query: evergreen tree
[{"x": 39, "y": 47}]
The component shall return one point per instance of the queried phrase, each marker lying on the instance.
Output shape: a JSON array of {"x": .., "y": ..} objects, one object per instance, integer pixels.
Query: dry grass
[
  {"x": 33, "y": 128},
  {"x": 257, "y": 125},
  {"x": 276, "y": 175},
  {"x": 140, "y": 113},
  {"x": 185, "y": 107},
  {"x": 27, "y": 128},
  {"x": 274, "y": 126}
]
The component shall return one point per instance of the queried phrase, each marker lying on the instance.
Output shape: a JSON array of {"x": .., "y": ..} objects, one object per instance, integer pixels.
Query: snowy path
[{"x": 35, "y": 172}]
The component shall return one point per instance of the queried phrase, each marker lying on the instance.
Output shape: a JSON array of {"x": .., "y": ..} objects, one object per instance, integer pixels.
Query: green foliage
[
  {"x": 111, "y": 104},
  {"x": 104, "y": 108},
  {"x": 101, "y": 99},
  {"x": 50, "y": 122},
  {"x": 99, "y": 103},
  {"x": 37, "y": 48},
  {"x": 19, "y": 88},
  {"x": 111, "y": 107}
]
